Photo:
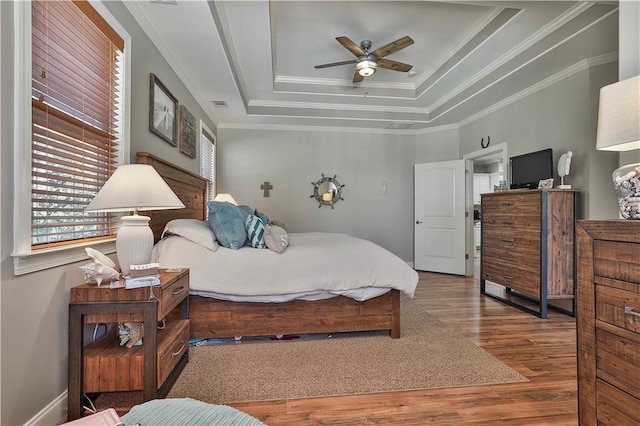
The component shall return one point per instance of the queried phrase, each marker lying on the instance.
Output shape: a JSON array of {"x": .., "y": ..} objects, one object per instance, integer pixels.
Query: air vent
[
  {"x": 220, "y": 104},
  {"x": 399, "y": 126}
]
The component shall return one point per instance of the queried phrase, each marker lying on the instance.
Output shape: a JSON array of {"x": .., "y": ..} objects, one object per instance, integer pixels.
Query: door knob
[{"x": 418, "y": 222}]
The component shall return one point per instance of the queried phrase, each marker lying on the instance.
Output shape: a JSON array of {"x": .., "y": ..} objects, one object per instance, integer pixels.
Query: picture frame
[
  {"x": 163, "y": 109},
  {"x": 545, "y": 183},
  {"x": 187, "y": 132}
]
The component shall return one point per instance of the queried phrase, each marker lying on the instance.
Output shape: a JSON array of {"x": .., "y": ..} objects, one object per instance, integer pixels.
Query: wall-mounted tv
[{"x": 528, "y": 169}]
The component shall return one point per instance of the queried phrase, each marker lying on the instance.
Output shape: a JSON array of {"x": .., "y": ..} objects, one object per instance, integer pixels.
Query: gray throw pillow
[
  {"x": 276, "y": 238},
  {"x": 227, "y": 222}
]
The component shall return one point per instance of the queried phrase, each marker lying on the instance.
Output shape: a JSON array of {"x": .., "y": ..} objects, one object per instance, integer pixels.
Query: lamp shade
[
  {"x": 619, "y": 116},
  {"x": 226, "y": 198},
  {"x": 134, "y": 187}
]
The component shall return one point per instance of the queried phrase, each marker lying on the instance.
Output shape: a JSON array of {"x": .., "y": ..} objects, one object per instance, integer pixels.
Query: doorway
[{"x": 486, "y": 157}]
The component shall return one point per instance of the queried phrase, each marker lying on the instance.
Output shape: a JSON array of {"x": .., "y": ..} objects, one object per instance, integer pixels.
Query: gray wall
[
  {"x": 563, "y": 117},
  {"x": 291, "y": 160},
  {"x": 33, "y": 307},
  {"x": 629, "y": 41}
]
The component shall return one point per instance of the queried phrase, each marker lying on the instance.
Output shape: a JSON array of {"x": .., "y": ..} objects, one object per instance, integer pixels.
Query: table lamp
[
  {"x": 619, "y": 130},
  {"x": 134, "y": 187}
]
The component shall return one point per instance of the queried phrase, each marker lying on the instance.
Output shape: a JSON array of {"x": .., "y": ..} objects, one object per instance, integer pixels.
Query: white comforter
[{"x": 315, "y": 265}]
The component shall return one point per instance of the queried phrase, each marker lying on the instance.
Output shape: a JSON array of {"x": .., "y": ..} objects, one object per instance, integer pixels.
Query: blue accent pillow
[
  {"x": 255, "y": 231},
  {"x": 246, "y": 210},
  {"x": 227, "y": 222}
]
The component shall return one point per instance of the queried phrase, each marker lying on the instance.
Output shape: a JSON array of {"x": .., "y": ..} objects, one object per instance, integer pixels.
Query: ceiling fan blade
[
  {"x": 350, "y": 46},
  {"x": 392, "y": 47},
  {"x": 335, "y": 64},
  {"x": 393, "y": 65},
  {"x": 357, "y": 78}
]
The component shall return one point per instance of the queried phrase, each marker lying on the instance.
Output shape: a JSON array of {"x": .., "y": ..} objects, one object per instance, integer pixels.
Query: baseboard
[{"x": 54, "y": 413}]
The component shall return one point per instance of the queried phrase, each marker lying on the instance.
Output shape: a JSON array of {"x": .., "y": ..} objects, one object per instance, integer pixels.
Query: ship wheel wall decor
[{"x": 327, "y": 190}]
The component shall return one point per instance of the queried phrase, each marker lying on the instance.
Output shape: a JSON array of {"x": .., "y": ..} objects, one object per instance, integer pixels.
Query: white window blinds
[{"x": 208, "y": 162}]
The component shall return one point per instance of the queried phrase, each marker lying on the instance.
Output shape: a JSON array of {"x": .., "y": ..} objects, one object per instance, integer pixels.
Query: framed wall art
[
  {"x": 187, "y": 132},
  {"x": 163, "y": 108}
]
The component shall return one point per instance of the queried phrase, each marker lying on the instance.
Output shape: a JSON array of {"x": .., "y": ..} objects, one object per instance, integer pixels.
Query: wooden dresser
[
  {"x": 608, "y": 322},
  {"x": 528, "y": 247}
]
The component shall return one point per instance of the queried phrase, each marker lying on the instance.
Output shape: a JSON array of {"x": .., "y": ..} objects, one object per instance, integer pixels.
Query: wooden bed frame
[{"x": 219, "y": 318}]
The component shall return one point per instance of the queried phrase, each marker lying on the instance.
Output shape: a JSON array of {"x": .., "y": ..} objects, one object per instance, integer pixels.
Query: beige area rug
[{"x": 428, "y": 355}]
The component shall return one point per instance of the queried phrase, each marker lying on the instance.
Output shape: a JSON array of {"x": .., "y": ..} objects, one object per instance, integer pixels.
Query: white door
[{"x": 440, "y": 219}]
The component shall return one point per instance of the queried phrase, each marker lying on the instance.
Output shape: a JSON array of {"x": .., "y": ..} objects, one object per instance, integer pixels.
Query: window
[
  {"x": 208, "y": 160},
  {"x": 75, "y": 121}
]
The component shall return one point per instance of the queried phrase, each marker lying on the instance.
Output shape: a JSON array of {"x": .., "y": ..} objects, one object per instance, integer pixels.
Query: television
[{"x": 528, "y": 169}]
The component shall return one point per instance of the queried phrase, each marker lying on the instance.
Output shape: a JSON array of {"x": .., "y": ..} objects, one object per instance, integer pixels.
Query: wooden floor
[{"x": 542, "y": 350}]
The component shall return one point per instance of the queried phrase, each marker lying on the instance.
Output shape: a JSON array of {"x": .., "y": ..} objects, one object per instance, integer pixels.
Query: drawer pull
[
  {"x": 177, "y": 291},
  {"x": 509, "y": 277},
  {"x": 507, "y": 203},
  {"x": 630, "y": 311},
  {"x": 508, "y": 240},
  {"x": 178, "y": 351},
  {"x": 508, "y": 259}
]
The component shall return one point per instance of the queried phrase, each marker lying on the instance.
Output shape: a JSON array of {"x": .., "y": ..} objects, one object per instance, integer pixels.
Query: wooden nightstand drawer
[
  {"x": 615, "y": 407},
  {"x": 617, "y": 260},
  {"x": 618, "y": 361},
  {"x": 172, "y": 348},
  {"x": 611, "y": 304},
  {"x": 172, "y": 295}
]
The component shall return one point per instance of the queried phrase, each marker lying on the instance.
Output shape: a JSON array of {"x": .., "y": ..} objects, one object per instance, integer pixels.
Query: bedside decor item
[
  {"x": 564, "y": 165},
  {"x": 130, "y": 333},
  {"x": 187, "y": 132},
  {"x": 132, "y": 188},
  {"x": 327, "y": 191},
  {"x": 163, "y": 109},
  {"x": 626, "y": 182},
  {"x": 619, "y": 130},
  {"x": 99, "y": 269}
]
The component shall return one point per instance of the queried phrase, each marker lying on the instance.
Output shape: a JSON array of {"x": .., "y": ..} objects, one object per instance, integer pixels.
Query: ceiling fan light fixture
[{"x": 366, "y": 68}]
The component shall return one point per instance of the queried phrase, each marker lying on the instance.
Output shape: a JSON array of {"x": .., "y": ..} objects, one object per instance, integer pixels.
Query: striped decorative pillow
[{"x": 255, "y": 231}]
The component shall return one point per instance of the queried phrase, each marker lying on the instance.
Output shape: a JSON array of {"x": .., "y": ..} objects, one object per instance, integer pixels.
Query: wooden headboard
[{"x": 189, "y": 187}]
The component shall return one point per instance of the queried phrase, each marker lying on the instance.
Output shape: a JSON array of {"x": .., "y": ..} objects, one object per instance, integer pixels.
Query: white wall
[
  {"x": 292, "y": 159},
  {"x": 34, "y": 307},
  {"x": 563, "y": 117}
]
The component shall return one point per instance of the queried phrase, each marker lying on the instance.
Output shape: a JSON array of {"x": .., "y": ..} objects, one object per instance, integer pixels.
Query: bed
[{"x": 226, "y": 307}]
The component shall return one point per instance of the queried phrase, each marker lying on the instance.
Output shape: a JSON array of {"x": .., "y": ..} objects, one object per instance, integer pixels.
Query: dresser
[
  {"x": 608, "y": 322},
  {"x": 104, "y": 365},
  {"x": 527, "y": 248}
]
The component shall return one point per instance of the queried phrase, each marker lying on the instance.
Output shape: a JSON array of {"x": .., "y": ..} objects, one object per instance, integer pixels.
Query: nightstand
[{"x": 104, "y": 365}]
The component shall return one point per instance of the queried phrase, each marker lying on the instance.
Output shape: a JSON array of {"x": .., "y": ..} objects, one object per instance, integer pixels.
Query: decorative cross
[{"x": 266, "y": 186}]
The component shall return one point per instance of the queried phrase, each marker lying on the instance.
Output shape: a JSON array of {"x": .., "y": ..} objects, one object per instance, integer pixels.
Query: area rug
[{"x": 428, "y": 355}]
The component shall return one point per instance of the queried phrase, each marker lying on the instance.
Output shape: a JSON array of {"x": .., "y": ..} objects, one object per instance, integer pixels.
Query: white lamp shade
[
  {"x": 226, "y": 198},
  {"x": 619, "y": 116},
  {"x": 134, "y": 187}
]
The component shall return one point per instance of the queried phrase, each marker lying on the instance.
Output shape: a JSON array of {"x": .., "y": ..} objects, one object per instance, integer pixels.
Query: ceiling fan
[{"x": 367, "y": 62}]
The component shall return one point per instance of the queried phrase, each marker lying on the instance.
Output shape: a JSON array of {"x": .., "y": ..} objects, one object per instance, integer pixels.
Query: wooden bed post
[{"x": 395, "y": 314}]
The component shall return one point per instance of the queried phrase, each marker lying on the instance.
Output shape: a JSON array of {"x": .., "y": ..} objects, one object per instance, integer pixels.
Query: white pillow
[{"x": 194, "y": 230}]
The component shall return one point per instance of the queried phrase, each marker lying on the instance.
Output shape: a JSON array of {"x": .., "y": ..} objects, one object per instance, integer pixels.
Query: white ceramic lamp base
[{"x": 134, "y": 242}]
